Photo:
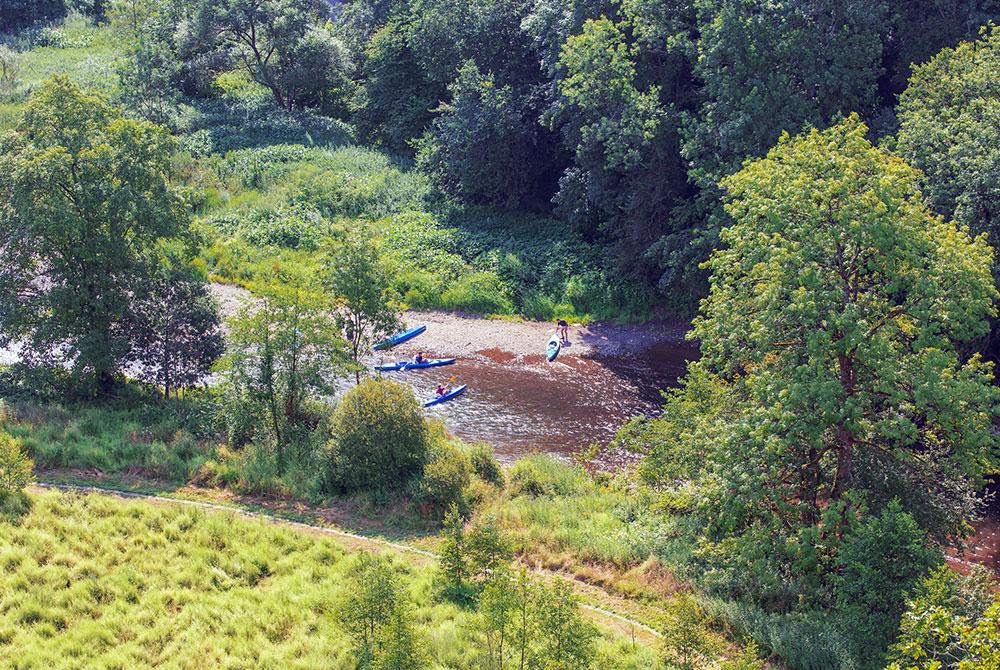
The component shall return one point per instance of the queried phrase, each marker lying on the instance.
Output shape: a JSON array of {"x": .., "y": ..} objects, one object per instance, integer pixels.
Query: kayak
[
  {"x": 410, "y": 365},
  {"x": 552, "y": 348},
  {"x": 399, "y": 338},
  {"x": 446, "y": 397}
]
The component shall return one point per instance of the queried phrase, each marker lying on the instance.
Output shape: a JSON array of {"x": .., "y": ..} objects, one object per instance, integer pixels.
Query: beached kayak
[
  {"x": 399, "y": 338},
  {"x": 552, "y": 348},
  {"x": 411, "y": 365},
  {"x": 446, "y": 397}
]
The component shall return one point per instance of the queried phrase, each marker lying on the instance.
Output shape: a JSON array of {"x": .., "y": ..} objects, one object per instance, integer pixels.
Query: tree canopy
[{"x": 88, "y": 200}]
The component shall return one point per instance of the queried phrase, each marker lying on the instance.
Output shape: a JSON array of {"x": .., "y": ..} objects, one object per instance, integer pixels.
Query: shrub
[
  {"x": 951, "y": 621},
  {"x": 377, "y": 616},
  {"x": 542, "y": 475},
  {"x": 877, "y": 565},
  {"x": 485, "y": 464},
  {"x": 15, "y": 467},
  {"x": 445, "y": 477},
  {"x": 480, "y": 292},
  {"x": 379, "y": 438}
]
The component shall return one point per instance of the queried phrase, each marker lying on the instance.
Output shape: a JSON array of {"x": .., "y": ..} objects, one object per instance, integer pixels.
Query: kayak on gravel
[
  {"x": 552, "y": 348},
  {"x": 399, "y": 338},
  {"x": 454, "y": 393},
  {"x": 413, "y": 365}
]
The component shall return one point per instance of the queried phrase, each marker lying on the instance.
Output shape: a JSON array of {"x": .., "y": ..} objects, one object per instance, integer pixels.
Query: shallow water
[{"x": 525, "y": 404}]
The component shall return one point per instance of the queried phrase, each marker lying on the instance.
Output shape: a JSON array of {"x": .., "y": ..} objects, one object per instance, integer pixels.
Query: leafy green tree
[
  {"x": 366, "y": 308},
  {"x": 836, "y": 309},
  {"x": 565, "y": 639},
  {"x": 496, "y": 611},
  {"x": 15, "y": 466},
  {"x": 395, "y": 103},
  {"x": 88, "y": 200},
  {"x": 379, "y": 438},
  {"x": 283, "y": 45},
  {"x": 836, "y": 306},
  {"x": 453, "y": 567},
  {"x": 484, "y": 146},
  {"x": 628, "y": 180},
  {"x": 18, "y": 14},
  {"x": 178, "y": 335},
  {"x": 687, "y": 640},
  {"x": 949, "y": 127},
  {"x": 283, "y": 351},
  {"x": 374, "y": 612},
  {"x": 921, "y": 28},
  {"x": 951, "y": 623}
]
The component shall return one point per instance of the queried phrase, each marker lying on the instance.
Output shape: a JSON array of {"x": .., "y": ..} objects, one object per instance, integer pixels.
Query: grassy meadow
[{"x": 101, "y": 582}]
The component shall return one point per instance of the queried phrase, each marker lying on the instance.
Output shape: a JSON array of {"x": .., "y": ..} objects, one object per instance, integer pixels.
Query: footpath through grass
[{"x": 93, "y": 581}]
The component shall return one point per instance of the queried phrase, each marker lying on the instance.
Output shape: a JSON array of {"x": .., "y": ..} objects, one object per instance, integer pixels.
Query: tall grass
[{"x": 90, "y": 581}]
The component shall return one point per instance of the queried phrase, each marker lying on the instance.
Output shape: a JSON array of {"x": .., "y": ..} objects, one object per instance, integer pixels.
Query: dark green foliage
[
  {"x": 178, "y": 334},
  {"x": 485, "y": 464},
  {"x": 952, "y": 622},
  {"x": 379, "y": 438},
  {"x": 89, "y": 200},
  {"x": 445, "y": 477},
  {"x": 484, "y": 146},
  {"x": 18, "y": 14},
  {"x": 878, "y": 564},
  {"x": 949, "y": 128},
  {"x": 283, "y": 46}
]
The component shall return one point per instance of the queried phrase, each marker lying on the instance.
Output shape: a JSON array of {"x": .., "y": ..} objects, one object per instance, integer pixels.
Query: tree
[
  {"x": 366, "y": 308},
  {"x": 687, "y": 640},
  {"x": 18, "y": 14},
  {"x": 178, "y": 336},
  {"x": 374, "y": 613},
  {"x": 951, "y": 623},
  {"x": 628, "y": 178},
  {"x": 830, "y": 352},
  {"x": 15, "y": 466},
  {"x": 379, "y": 438},
  {"x": 88, "y": 200},
  {"x": 283, "y": 351},
  {"x": 565, "y": 639},
  {"x": 283, "y": 45},
  {"x": 484, "y": 146},
  {"x": 10, "y": 67},
  {"x": 949, "y": 127},
  {"x": 765, "y": 69}
]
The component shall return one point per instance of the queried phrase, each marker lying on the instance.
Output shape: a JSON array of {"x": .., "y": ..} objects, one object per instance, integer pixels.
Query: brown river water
[{"x": 523, "y": 404}]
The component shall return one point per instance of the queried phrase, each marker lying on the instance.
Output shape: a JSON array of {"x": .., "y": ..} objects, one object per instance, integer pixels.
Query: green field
[{"x": 98, "y": 582}]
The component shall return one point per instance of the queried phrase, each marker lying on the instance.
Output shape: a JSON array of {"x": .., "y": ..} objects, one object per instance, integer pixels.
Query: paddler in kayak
[
  {"x": 419, "y": 358},
  {"x": 442, "y": 389}
]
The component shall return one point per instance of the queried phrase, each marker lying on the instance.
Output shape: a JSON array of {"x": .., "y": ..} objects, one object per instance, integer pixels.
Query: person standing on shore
[{"x": 563, "y": 330}]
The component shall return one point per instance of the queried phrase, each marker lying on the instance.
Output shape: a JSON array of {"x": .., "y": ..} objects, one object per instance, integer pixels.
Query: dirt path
[{"x": 609, "y": 618}]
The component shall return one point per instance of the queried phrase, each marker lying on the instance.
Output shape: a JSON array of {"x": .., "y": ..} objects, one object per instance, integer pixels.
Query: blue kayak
[
  {"x": 411, "y": 365},
  {"x": 552, "y": 348},
  {"x": 446, "y": 397},
  {"x": 399, "y": 338}
]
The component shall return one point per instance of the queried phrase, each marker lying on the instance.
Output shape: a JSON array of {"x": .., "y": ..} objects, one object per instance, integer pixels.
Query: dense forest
[{"x": 812, "y": 186}]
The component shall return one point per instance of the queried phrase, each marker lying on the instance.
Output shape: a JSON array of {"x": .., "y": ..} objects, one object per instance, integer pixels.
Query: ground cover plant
[{"x": 99, "y": 581}]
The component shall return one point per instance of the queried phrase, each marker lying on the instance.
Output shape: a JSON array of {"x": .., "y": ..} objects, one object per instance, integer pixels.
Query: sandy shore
[{"x": 455, "y": 334}]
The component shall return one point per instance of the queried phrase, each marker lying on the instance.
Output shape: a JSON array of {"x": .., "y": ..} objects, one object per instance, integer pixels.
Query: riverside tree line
[{"x": 832, "y": 204}]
